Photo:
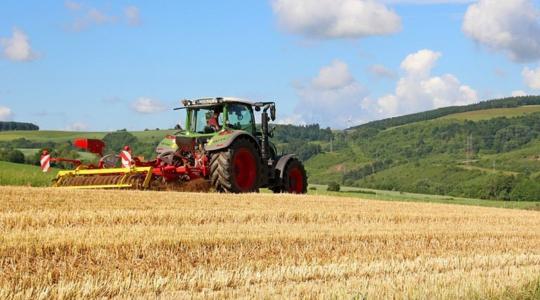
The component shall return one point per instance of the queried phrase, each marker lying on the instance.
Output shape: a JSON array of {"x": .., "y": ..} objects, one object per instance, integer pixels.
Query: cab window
[
  {"x": 240, "y": 117},
  {"x": 201, "y": 120}
]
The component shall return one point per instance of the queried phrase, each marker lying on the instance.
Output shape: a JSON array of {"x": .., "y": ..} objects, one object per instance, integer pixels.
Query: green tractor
[{"x": 222, "y": 143}]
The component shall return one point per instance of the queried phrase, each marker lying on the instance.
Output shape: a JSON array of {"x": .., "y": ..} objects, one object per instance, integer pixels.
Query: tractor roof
[{"x": 210, "y": 101}]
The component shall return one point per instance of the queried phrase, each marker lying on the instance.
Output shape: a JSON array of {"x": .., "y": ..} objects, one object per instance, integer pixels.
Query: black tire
[
  {"x": 228, "y": 177},
  {"x": 294, "y": 179}
]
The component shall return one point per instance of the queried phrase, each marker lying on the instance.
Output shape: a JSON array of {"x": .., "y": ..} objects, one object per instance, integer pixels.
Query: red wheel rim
[
  {"x": 296, "y": 181},
  {"x": 245, "y": 170}
]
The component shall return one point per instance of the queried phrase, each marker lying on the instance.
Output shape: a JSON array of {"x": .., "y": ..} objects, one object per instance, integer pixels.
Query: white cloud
[
  {"x": 388, "y": 105},
  {"x": 333, "y": 98},
  {"x": 381, "y": 71},
  {"x": 329, "y": 19},
  {"x": 5, "y": 113},
  {"x": 17, "y": 48},
  {"x": 334, "y": 76},
  {"x": 532, "y": 77},
  {"x": 420, "y": 63},
  {"x": 512, "y": 27},
  {"x": 519, "y": 93},
  {"x": 132, "y": 15},
  {"x": 77, "y": 126},
  {"x": 418, "y": 90},
  {"x": 146, "y": 105}
]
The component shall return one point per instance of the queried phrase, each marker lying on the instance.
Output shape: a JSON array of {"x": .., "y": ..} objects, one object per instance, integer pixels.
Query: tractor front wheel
[
  {"x": 237, "y": 168},
  {"x": 294, "y": 179}
]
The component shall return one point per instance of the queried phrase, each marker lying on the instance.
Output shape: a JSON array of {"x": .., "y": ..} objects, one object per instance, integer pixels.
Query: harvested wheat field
[{"x": 70, "y": 244}]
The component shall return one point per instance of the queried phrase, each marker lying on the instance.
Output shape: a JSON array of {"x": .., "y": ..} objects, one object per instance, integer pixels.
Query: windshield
[
  {"x": 240, "y": 117},
  {"x": 206, "y": 119}
]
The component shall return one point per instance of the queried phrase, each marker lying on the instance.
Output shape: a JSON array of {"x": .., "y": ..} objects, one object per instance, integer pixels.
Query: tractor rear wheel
[
  {"x": 294, "y": 179},
  {"x": 237, "y": 168}
]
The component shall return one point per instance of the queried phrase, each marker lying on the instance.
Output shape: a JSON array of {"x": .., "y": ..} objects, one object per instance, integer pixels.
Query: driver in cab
[{"x": 213, "y": 121}]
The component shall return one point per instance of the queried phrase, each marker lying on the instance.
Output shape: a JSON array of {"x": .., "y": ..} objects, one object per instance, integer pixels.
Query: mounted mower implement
[{"x": 221, "y": 148}]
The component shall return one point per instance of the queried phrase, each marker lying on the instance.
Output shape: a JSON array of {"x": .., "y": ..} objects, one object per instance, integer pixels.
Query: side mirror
[{"x": 273, "y": 112}]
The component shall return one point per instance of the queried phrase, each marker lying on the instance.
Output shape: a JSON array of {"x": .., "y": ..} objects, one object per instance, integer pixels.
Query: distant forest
[{"x": 9, "y": 126}]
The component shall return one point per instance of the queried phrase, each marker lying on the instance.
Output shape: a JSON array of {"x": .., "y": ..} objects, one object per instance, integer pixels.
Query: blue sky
[{"x": 106, "y": 65}]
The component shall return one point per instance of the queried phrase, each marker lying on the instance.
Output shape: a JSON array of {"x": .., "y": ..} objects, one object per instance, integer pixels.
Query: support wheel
[
  {"x": 237, "y": 168},
  {"x": 294, "y": 179}
]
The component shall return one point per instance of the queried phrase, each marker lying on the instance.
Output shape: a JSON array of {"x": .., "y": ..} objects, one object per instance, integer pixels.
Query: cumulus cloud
[
  {"x": 77, "y": 126},
  {"x": 146, "y": 105},
  {"x": 381, "y": 71},
  {"x": 333, "y": 97},
  {"x": 333, "y": 19},
  {"x": 418, "y": 90},
  {"x": 420, "y": 63},
  {"x": 5, "y": 113},
  {"x": 532, "y": 77},
  {"x": 132, "y": 15},
  {"x": 512, "y": 27},
  {"x": 334, "y": 76},
  {"x": 17, "y": 47}
]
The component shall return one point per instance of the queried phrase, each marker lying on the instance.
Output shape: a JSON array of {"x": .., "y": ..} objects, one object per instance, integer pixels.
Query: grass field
[
  {"x": 494, "y": 113},
  {"x": 93, "y": 244},
  {"x": 353, "y": 192},
  {"x": 27, "y": 175}
]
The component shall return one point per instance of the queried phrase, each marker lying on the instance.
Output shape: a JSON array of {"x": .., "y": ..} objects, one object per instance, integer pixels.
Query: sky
[{"x": 107, "y": 65}]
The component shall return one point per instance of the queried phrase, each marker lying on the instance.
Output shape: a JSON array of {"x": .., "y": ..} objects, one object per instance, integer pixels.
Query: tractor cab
[
  {"x": 209, "y": 116},
  {"x": 216, "y": 122}
]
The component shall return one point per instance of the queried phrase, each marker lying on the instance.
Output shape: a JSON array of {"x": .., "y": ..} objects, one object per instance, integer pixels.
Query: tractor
[{"x": 221, "y": 145}]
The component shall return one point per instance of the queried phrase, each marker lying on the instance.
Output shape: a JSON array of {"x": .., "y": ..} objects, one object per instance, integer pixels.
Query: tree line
[{"x": 10, "y": 126}]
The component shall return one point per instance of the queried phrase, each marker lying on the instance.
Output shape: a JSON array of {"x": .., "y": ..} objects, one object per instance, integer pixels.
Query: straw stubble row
[{"x": 70, "y": 244}]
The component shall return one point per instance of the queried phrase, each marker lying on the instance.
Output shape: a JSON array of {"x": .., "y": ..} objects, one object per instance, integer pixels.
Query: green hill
[
  {"x": 487, "y": 114},
  {"x": 483, "y": 153}
]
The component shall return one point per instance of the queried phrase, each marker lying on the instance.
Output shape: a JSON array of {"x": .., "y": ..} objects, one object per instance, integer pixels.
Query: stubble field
[{"x": 70, "y": 244}]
